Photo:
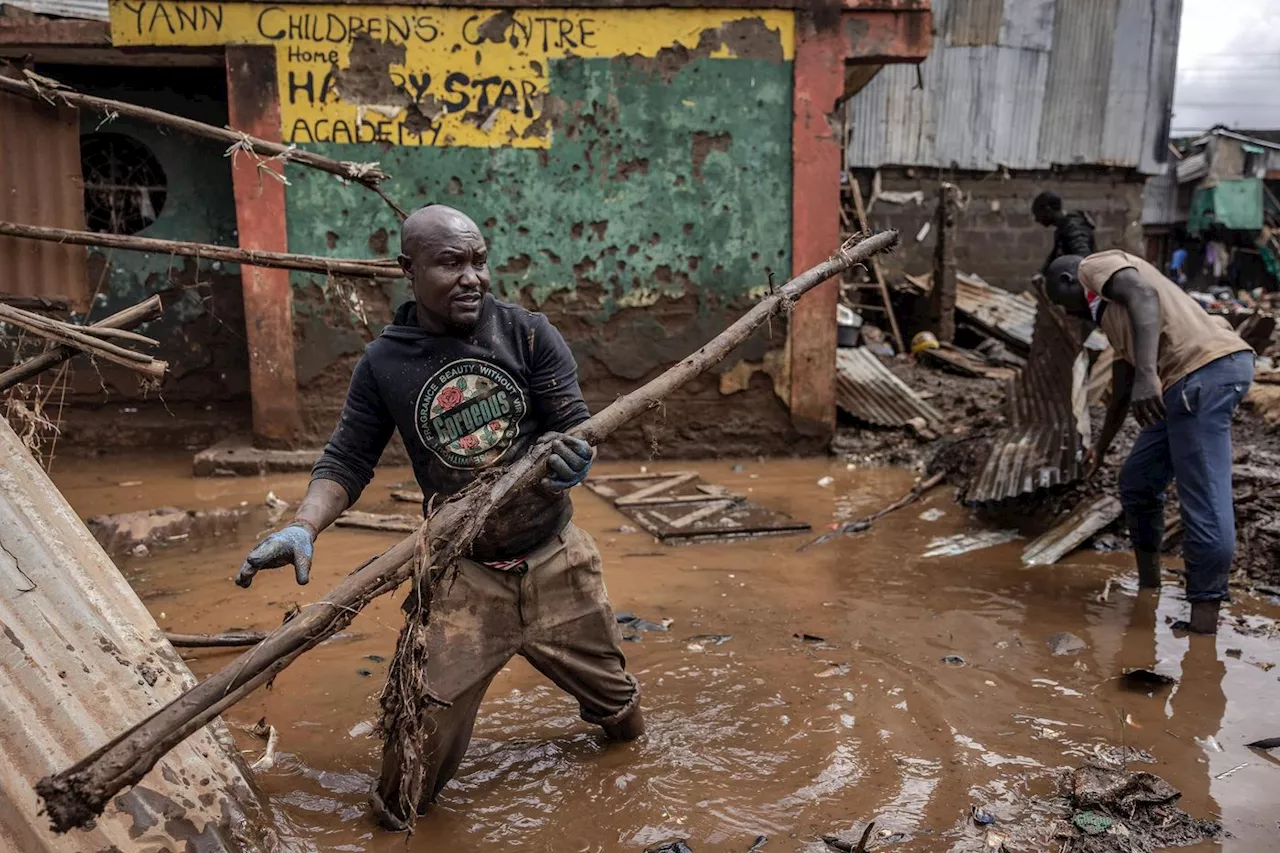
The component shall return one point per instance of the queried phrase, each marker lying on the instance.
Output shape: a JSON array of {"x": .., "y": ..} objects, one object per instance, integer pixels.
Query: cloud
[{"x": 1228, "y": 65}]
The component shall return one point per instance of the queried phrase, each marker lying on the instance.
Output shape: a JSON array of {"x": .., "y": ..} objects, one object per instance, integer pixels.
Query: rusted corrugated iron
[
  {"x": 1044, "y": 443},
  {"x": 867, "y": 390},
  {"x": 40, "y": 184},
  {"x": 1027, "y": 85},
  {"x": 1008, "y": 316},
  {"x": 80, "y": 659}
]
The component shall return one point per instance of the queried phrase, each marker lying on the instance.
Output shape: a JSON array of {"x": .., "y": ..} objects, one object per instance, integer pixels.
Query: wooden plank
[
  {"x": 379, "y": 521},
  {"x": 654, "y": 489},
  {"x": 610, "y": 478},
  {"x": 1084, "y": 521}
]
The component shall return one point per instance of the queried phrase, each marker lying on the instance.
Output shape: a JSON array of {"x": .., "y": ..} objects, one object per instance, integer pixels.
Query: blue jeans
[{"x": 1193, "y": 445}]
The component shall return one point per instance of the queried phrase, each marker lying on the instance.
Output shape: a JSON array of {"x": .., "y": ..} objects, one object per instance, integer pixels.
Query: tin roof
[
  {"x": 1048, "y": 416},
  {"x": 81, "y": 659},
  {"x": 1054, "y": 83},
  {"x": 867, "y": 390}
]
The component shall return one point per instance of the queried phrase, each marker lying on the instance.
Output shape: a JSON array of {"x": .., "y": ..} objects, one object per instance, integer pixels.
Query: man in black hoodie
[
  {"x": 470, "y": 382},
  {"x": 1072, "y": 232}
]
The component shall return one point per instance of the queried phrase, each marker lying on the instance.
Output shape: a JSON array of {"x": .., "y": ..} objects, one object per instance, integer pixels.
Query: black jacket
[
  {"x": 461, "y": 405},
  {"x": 1073, "y": 237}
]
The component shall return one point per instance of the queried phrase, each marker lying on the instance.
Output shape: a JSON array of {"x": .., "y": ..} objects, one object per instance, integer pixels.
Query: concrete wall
[
  {"x": 996, "y": 237},
  {"x": 660, "y": 209}
]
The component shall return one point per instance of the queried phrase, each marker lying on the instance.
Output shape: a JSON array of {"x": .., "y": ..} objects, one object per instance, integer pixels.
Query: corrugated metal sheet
[
  {"x": 40, "y": 185},
  {"x": 1005, "y": 315},
  {"x": 1164, "y": 201},
  {"x": 81, "y": 658},
  {"x": 1064, "y": 83},
  {"x": 1091, "y": 516},
  {"x": 867, "y": 390},
  {"x": 1079, "y": 73},
  {"x": 90, "y": 10},
  {"x": 1048, "y": 420}
]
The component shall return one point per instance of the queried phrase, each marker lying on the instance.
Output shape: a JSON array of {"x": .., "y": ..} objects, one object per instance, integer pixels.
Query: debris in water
[
  {"x": 678, "y": 845},
  {"x": 1210, "y": 743},
  {"x": 1145, "y": 680},
  {"x": 140, "y": 550},
  {"x": 838, "y": 843},
  {"x": 824, "y": 482},
  {"x": 758, "y": 844},
  {"x": 809, "y": 638},
  {"x": 700, "y": 642},
  {"x": 983, "y": 817},
  {"x": 1091, "y": 823},
  {"x": 1265, "y": 743},
  {"x": 273, "y": 502},
  {"x": 627, "y": 528},
  {"x": 363, "y": 728},
  {"x": 1065, "y": 643},
  {"x": 1234, "y": 653},
  {"x": 375, "y": 658},
  {"x": 834, "y": 669},
  {"x": 1224, "y": 774},
  {"x": 953, "y": 660},
  {"x": 962, "y": 543},
  {"x": 632, "y": 625},
  {"x": 268, "y": 759},
  {"x": 932, "y": 514},
  {"x": 364, "y": 673},
  {"x": 128, "y": 484}
]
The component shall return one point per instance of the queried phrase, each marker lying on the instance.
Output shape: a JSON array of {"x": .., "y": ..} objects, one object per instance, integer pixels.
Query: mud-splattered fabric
[{"x": 554, "y": 611}]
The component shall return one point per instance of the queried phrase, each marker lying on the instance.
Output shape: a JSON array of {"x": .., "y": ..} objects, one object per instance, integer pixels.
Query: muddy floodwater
[{"x": 765, "y": 733}]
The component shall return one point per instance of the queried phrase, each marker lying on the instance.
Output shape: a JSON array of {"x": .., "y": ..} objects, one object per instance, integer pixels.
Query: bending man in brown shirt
[{"x": 1183, "y": 373}]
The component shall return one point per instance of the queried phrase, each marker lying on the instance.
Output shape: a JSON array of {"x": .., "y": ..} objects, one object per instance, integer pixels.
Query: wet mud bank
[{"x": 860, "y": 680}]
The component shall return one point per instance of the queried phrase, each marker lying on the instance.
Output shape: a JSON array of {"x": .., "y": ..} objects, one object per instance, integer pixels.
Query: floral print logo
[{"x": 469, "y": 412}]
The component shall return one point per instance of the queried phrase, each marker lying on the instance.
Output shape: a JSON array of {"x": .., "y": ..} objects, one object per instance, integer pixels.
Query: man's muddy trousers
[{"x": 552, "y": 610}]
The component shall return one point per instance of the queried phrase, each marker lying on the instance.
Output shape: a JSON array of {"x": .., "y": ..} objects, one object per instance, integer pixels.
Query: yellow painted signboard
[{"x": 430, "y": 75}]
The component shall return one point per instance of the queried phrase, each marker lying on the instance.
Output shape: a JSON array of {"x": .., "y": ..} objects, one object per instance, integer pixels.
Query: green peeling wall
[{"x": 660, "y": 210}]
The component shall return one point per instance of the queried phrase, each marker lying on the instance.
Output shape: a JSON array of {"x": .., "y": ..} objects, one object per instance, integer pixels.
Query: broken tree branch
[
  {"x": 132, "y": 316},
  {"x": 865, "y": 522},
  {"x": 78, "y": 794},
  {"x": 208, "y": 251},
  {"x": 39, "y": 88},
  {"x": 68, "y": 335},
  {"x": 209, "y": 641}
]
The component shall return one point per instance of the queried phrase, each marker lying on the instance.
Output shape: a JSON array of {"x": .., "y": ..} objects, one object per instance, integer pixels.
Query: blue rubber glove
[
  {"x": 291, "y": 546},
  {"x": 569, "y": 462}
]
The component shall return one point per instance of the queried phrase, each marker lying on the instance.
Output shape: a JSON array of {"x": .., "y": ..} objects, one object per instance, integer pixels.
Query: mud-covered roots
[{"x": 70, "y": 801}]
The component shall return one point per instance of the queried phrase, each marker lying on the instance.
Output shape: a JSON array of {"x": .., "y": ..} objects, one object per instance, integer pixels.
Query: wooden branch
[
  {"x": 209, "y": 641},
  {"x": 865, "y": 522},
  {"x": 68, "y": 335},
  {"x": 39, "y": 88},
  {"x": 76, "y": 795},
  {"x": 140, "y": 313},
  {"x": 208, "y": 251}
]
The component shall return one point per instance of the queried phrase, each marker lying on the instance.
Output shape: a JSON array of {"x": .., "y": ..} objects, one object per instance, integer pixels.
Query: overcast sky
[{"x": 1228, "y": 66}]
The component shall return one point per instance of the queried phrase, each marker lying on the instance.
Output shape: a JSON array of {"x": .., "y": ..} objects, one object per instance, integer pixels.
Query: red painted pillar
[
  {"x": 815, "y": 219},
  {"x": 254, "y": 107}
]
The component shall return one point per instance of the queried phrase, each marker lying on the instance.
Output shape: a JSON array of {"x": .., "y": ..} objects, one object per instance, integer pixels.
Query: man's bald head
[
  {"x": 431, "y": 224},
  {"x": 445, "y": 256}
]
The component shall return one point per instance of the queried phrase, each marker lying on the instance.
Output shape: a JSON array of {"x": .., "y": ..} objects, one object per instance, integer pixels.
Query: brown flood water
[{"x": 765, "y": 733}]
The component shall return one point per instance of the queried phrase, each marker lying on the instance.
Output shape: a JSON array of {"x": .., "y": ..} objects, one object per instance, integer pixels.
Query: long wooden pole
[
  {"x": 128, "y": 318},
  {"x": 75, "y": 796},
  {"x": 208, "y": 251},
  {"x": 39, "y": 88}
]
